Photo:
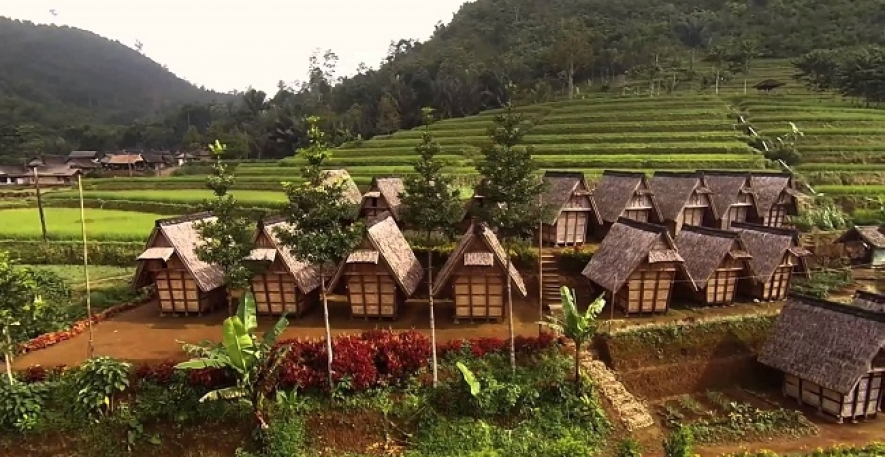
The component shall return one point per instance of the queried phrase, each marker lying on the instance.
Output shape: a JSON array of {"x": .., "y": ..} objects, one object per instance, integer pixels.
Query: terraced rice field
[
  {"x": 64, "y": 224},
  {"x": 194, "y": 196}
]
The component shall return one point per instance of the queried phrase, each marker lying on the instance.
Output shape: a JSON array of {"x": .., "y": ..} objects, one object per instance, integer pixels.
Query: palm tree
[{"x": 580, "y": 328}]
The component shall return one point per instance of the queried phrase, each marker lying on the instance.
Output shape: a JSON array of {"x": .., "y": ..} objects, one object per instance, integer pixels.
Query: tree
[
  {"x": 572, "y": 51},
  {"x": 743, "y": 57},
  {"x": 580, "y": 328},
  {"x": 718, "y": 55},
  {"x": 818, "y": 69},
  {"x": 511, "y": 193},
  {"x": 255, "y": 362},
  {"x": 430, "y": 205},
  {"x": 785, "y": 149},
  {"x": 388, "y": 115},
  {"x": 20, "y": 306},
  {"x": 192, "y": 139},
  {"x": 317, "y": 213},
  {"x": 227, "y": 240}
]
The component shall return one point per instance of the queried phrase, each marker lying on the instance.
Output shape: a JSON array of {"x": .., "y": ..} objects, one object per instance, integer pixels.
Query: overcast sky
[{"x": 234, "y": 44}]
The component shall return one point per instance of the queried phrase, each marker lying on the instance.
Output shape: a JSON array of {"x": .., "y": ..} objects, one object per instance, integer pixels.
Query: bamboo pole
[
  {"x": 40, "y": 204},
  {"x": 540, "y": 270},
  {"x": 90, "y": 349}
]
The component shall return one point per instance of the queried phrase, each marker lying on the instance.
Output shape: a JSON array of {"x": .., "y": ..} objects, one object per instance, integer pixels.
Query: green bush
[
  {"x": 99, "y": 382},
  {"x": 286, "y": 435},
  {"x": 574, "y": 260},
  {"x": 628, "y": 447},
  {"x": 679, "y": 443},
  {"x": 824, "y": 217},
  {"x": 71, "y": 252},
  {"x": 21, "y": 405}
]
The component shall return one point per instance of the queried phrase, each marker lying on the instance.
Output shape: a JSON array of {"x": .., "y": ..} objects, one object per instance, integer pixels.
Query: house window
[
  {"x": 693, "y": 216},
  {"x": 779, "y": 284},
  {"x": 720, "y": 288},
  {"x": 640, "y": 215},
  {"x": 736, "y": 214},
  {"x": 776, "y": 216}
]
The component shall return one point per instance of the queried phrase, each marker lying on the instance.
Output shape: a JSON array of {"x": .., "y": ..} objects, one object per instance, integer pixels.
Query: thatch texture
[
  {"x": 125, "y": 159},
  {"x": 627, "y": 245},
  {"x": 352, "y": 193},
  {"x": 869, "y": 301},
  {"x": 459, "y": 255},
  {"x": 767, "y": 246},
  {"x": 163, "y": 254},
  {"x": 181, "y": 233},
  {"x": 705, "y": 249},
  {"x": 262, "y": 255},
  {"x": 559, "y": 187},
  {"x": 672, "y": 191},
  {"x": 363, "y": 256},
  {"x": 307, "y": 276},
  {"x": 872, "y": 235},
  {"x": 829, "y": 344},
  {"x": 391, "y": 189},
  {"x": 614, "y": 191},
  {"x": 768, "y": 188},
  {"x": 479, "y": 259},
  {"x": 91, "y": 155},
  {"x": 726, "y": 188}
]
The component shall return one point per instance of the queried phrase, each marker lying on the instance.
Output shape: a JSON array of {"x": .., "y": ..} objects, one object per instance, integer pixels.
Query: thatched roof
[
  {"x": 391, "y": 189},
  {"x": 767, "y": 246},
  {"x": 307, "y": 276},
  {"x": 58, "y": 170},
  {"x": 869, "y": 301},
  {"x": 83, "y": 164},
  {"x": 872, "y": 235},
  {"x": 47, "y": 160},
  {"x": 393, "y": 251},
  {"x": 614, "y": 191},
  {"x": 352, "y": 193},
  {"x": 13, "y": 171},
  {"x": 704, "y": 250},
  {"x": 626, "y": 246},
  {"x": 829, "y": 344},
  {"x": 726, "y": 187},
  {"x": 768, "y": 84},
  {"x": 181, "y": 233},
  {"x": 559, "y": 188},
  {"x": 481, "y": 232},
  {"x": 83, "y": 155},
  {"x": 768, "y": 188},
  {"x": 673, "y": 189},
  {"x": 124, "y": 159}
]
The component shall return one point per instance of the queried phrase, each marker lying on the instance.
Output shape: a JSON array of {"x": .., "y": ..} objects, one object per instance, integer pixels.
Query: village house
[
  {"x": 475, "y": 276},
  {"x": 625, "y": 194},
  {"x": 85, "y": 155},
  {"x": 157, "y": 160},
  {"x": 123, "y": 161},
  {"x": 572, "y": 211},
  {"x": 869, "y": 301},
  {"x": 15, "y": 176},
  {"x": 352, "y": 194},
  {"x": 775, "y": 257},
  {"x": 715, "y": 261},
  {"x": 776, "y": 197},
  {"x": 864, "y": 245},
  {"x": 683, "y": 199},
  {"x": 283, "y": 283},
  {"x": 47, "y": 160},
  {"x": 185, "y": 284},
  {"x": 380, "y": 273},
  {"x": 732, "y": 196},
  {"x": 383, "y": 197},
  {"x": 636, "y": 265},
  {"x": 832, "y": 356}
]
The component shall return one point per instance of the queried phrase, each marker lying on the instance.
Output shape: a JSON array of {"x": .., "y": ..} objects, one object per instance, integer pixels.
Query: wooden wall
[
  {"x": 371, "y": 290},
  {"x": 864, "y": 399},
  {"x": 647, "y": 290}
]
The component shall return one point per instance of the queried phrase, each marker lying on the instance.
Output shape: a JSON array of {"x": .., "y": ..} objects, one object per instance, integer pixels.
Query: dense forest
[{"x": 492, "y": 52}]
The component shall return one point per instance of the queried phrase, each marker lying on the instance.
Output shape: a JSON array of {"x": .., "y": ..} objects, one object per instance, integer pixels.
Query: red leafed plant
[
  {"x": 354, "y": 360},
  {"x": 161, "y": 373}
]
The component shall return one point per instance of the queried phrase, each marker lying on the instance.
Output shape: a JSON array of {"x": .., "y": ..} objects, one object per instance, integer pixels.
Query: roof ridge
[
  {"x": 649, "y": 227},
  {"x": 878, "y": 316},
  {"x": 624, "y": 173},
  {"x": 182, "y": 219},
  {"x": 764, "y": 228},
  {"x": 785, "y": 174},
  {"x": 677, "y": 174},
  {"x": 711, "y": 231},
  {"x": 563, "y": 174},
  {"x": 735, "y": 173}
]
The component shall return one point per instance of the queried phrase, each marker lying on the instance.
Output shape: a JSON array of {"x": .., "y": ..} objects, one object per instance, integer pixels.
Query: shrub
[
  {"x": 286, "y": 436},
  {"x": 628, "y": 447},
  {"x": 679, "y": 443},
  {"x": 160, "y": 374},
  {"x": 21, "y": 404},
  {"x": 71, "y": 252},
  {"x": 99, "y": 381},
  {"x": 574, "y": 260}
]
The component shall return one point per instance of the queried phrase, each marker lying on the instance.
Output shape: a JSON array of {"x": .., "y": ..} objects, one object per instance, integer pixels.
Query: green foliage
[
  {"x": 469, "y": 380},
  {"x": 679, "y": 443},
  {"x": 21, "y": 405},
  {"x": 99, "y": 381},
  {"x": 825, "y": 216},
  {"x": 286, "y": 436},
  {"x": 819, "y": 283},
  {"x": 739, "y": 421},
  {"x": 71, "y": 253},
  {"x": 854, "y": 72},
  {"x": 21, "y": 307},
  {"x": 580, "y": 328},
  {"x": 628, "y": 447}
]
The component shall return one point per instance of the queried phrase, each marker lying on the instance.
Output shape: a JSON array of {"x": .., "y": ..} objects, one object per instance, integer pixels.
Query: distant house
[
  {"x": 475, "y": 276},
  {"x": 85, "y": 165},
  {"x": 832, "y": 356},
  {"x": 625, "y": 194},
  {"x": 732, "y": 196},
  {"x": 715, "y": 261},
  {"x": 157, "y": 160},
  {"x": 684, "y": 199},
  {"x": 572, "y": 208},
  {"x": 46, "y": 160},
  {"x": 124, "y": 161},
  {"x": 13, "y": 176},
  {"x": 85, "y": 155},
  {"x": 864, "y": 244},
  {"x": 775, "y": 197},
  {"x": 636, "y": 264},
  {"x": 383, "y": 197},
  {"x": 775, "y": 257}
]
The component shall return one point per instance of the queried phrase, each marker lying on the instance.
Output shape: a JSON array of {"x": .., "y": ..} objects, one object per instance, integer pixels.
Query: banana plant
[
  {"x": 580, "y": 328},
  {"x": 253, "y": 360}
]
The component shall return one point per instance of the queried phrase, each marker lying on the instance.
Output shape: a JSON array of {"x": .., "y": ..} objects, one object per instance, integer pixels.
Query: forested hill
[{"x": 53, "y": 76}]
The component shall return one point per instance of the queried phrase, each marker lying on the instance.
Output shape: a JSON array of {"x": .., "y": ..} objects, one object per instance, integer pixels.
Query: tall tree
[
  {"x": 746, "y": 50},
  {"x": 572, "y": 51},
  {"x": 430, "y": 205},
  {"x": 511, "y": 192},
  {"x": 192, "y": 139},
  {"x": 318, "y": 232},
  {"x": 388, "y": 115},
  {"x": 227, "y": 240},
  {"x": 718, "y": 55},
  {"x": 20, "y": 305}
]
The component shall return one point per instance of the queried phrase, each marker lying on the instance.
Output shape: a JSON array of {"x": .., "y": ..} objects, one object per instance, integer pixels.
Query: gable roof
[
  {"x": 869, "y": 301},
  {"x": 391, "y": 189},
  {"x": 627, "y": 245},
  {"x": 57, "y": 170},
  {"x": 558, "y": 190},
  {"x": 387, "y": 239},
  {"x": 829, "y": 344},
  {"x": 13, "y": 171},
  {"x": 726, "y": 187},
  {"x": 673, "y": 189},
  {"x": 768, "y": 188},
  {"x": 767, "y": 246},
  {"x": 82, "y": 163},
  {"x": 307, "y": 276},
  {"x": 156, "y": 157},
  {"x": 83, "y": 155},
  {"x": 352, "y": 193},
  {"x": 873, "y": 235},
  {"x": 614, "y": 191},
  {"x": 124, "y": 159},
  {"x": 181, "y": 232},
  {"x": 704, "y": 250},
  {"x": 482, "y": 232}
]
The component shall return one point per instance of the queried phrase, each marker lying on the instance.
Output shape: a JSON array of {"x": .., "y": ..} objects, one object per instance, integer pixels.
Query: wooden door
[
  {"x": 275, "y": 293},
  {"x": 372, "y": 294},
  {"x": 479, "y": 295},
  {"x": 177, "y": 292}
]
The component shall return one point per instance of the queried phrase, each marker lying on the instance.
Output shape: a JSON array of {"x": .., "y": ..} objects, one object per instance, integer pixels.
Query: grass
[
  {"x": 73, "y": 274},
  {"x": 64, "y": 224},
  {"x": 191, "y": 196}
]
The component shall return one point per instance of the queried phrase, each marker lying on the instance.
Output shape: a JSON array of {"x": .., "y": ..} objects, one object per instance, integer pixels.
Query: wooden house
[
  {"x": 124, "y": 161},
  {"x": 380, "y": 273},
  {"x": 475, "y": 276},
  {"x": 636, "y": 265},
  {"x": 625, "y": 194},
  {"x": 775, "y": 197},
  {"x": 184, "y": 283},
  {"x": 832, "y": 357},
  {"x": 869, "y": 301},
  {"x": 352, "y": 194},
  {"x": 864, "y": 245},
  {"x": 572, "y": 209},
  {"x": 683, "y": 199},
  {"x": 715, "y": 260},
  {"x": 775, "y": 257},
  {"x": 732, "y": 196},
  {"x": 383, "y": 197},
  {"x": 283, "y": 284}
]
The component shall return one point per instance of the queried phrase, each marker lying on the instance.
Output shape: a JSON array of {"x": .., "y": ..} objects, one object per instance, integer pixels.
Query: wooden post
[
  {"x": 540, "y": 270},
  {"x": 40, "y": 204},
  {"x": 90, "y": 349}
]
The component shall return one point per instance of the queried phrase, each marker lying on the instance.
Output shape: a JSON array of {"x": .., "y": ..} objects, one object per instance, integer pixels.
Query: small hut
[
  {"x": 283, "y": 283},
  {"x": 352, "y": 193},
  {"x": 625, "y": 194},
  {"x": 380, "y": 273},
  {"x": 864, "y": 245},
  {"x": 733, "y": 198},
  {"x": 768, "y": 85},
  {"x": 383, "y": 197},
  {"x": 184, "y": 283},
  {"x": 776, "y": 256},
  {"x": 684, "y": 199},
  {"x": 831, "y": 355},
  {"x": 572, "y": 208},
  {"x": 636, "y": 265},
  {"x": 714, "y": 260},
  {"x": 475, "y": 276},
  {"x": 776, "y": 197}
]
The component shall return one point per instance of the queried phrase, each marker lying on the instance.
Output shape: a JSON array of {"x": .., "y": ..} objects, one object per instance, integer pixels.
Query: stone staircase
[
  {"x": 633, "y": 414},
  {"x": 550, "y": 297}
]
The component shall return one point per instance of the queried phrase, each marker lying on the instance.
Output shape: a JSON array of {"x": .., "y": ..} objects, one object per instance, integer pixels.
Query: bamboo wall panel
[
  {"x": 177, "y": 292},
  {"x": 864, "y": 400},
  {"x": 372, "y": 294},
  {"x": 571, "y": 228},
  {"x": 276, "y": 293},
  {"x": 647, "y": 290},
  {"x": 479, "y": 296}
]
